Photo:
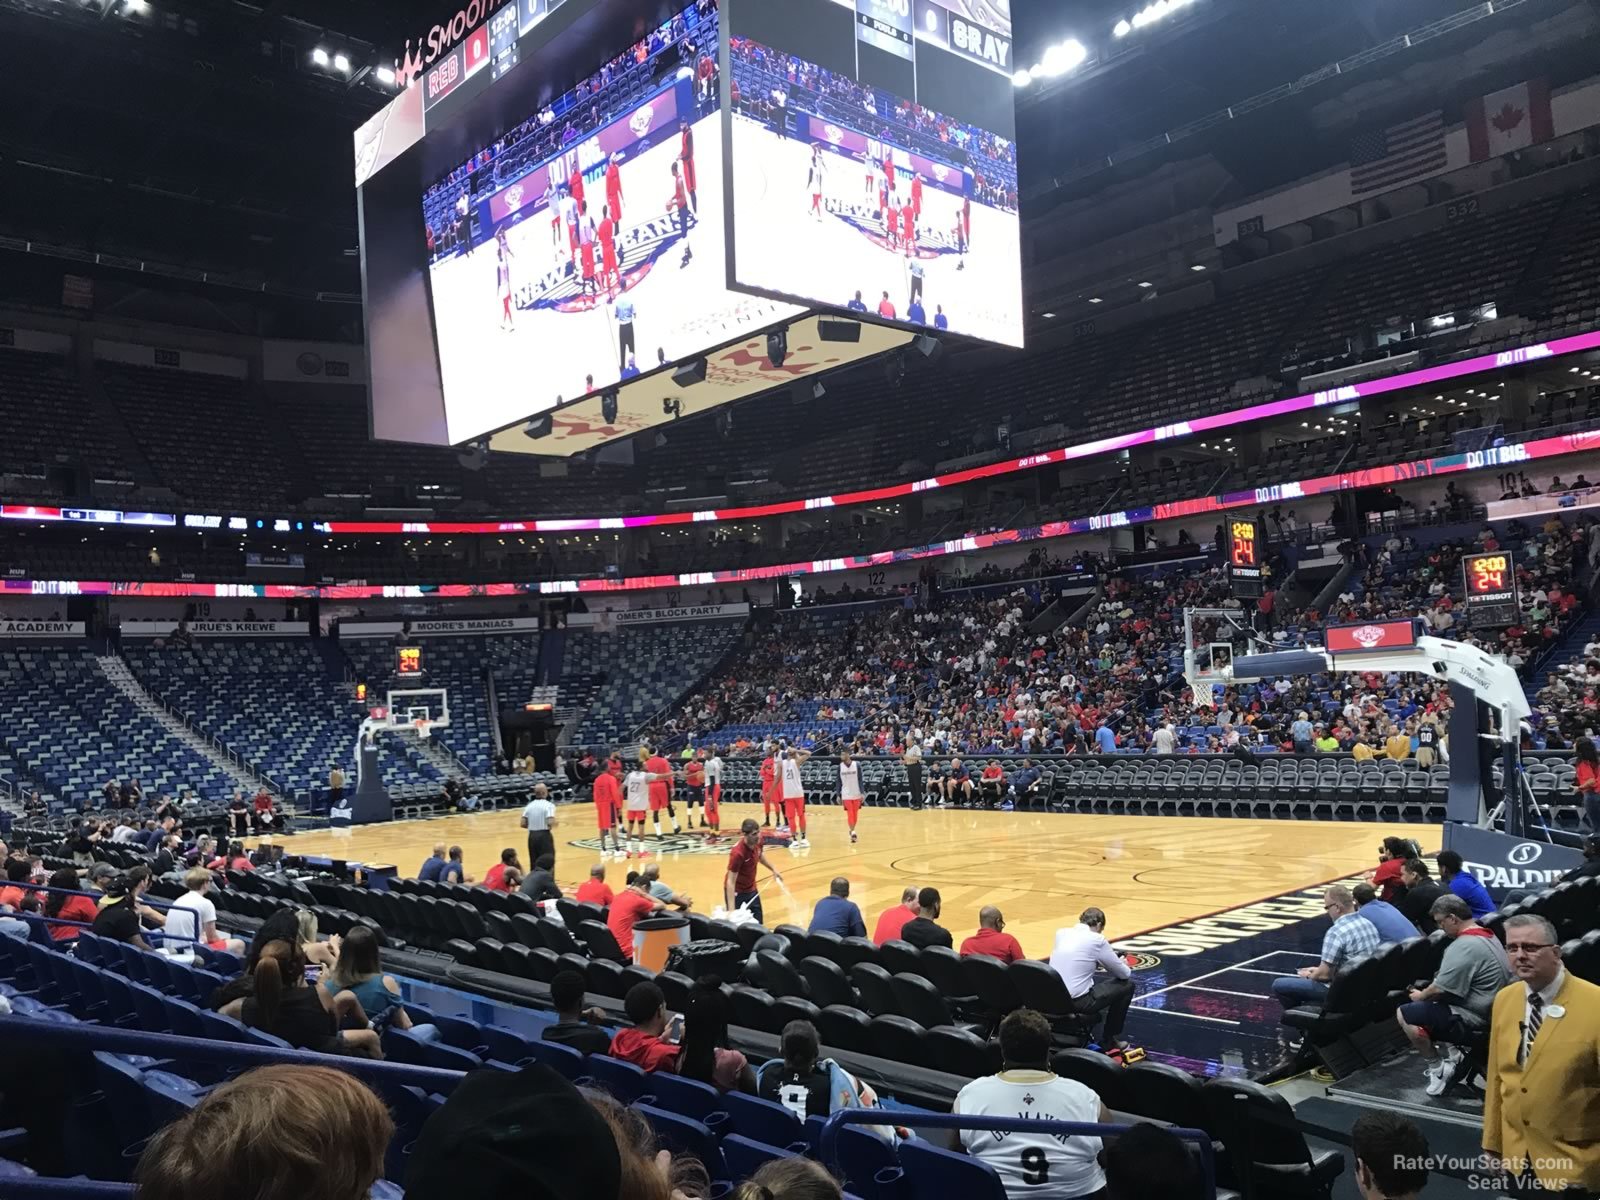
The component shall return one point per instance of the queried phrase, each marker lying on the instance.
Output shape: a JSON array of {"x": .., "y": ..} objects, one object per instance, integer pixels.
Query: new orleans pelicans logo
[
  {"x": 672, "y": 843},
  {"x": 638, "y": 252},
  {"x": 1369, "y": 635},
  {"x": 870, "y": 223}
]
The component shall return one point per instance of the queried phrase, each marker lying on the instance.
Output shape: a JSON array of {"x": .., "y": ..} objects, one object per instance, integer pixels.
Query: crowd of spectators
[{"x": 964, "y": 676}]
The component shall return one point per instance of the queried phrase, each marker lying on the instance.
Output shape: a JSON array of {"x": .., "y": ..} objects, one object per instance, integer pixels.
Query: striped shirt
[{"x": 1351, "y": 937}]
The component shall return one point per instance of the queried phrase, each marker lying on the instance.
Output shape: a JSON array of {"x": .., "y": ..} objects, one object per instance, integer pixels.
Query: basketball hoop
[{"x": 424, "y": 728}]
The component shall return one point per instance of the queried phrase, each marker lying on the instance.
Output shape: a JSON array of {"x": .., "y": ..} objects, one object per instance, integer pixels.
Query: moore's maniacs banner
[
  {"x": 217, "y": 628},
  {"x": 41, "y": 629},
  {"x": 420, "y": 627}
]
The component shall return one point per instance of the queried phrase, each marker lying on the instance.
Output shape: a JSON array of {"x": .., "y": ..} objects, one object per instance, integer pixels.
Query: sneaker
[
  {"x": 1006, "y": 806},
  {"x": 1438, "y": 1076},
  {"x": 852, "y": 837}
]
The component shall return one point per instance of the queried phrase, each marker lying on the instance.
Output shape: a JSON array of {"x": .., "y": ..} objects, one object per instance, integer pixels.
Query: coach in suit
[{"x": 1541, "y": 1112}]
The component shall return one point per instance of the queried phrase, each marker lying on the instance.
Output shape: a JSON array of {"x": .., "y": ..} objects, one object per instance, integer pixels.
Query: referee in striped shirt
[{"x": 539, "y": 818}]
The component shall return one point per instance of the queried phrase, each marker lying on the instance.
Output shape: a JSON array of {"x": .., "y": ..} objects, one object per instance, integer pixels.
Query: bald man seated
[{"x": 992, "y": 939}]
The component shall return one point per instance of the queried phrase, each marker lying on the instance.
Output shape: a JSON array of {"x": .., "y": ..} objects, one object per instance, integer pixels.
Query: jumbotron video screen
[{"x": 873, "y": 159}]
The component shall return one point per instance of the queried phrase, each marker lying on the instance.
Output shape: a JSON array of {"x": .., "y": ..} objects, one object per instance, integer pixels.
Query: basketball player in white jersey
[
  {"x": 636, "y": 806},
  {"x": 850, "y": 789},
  {"x": 814, "y": 182},
  {"x": 793, "y": 793},
  {"x": 1047, "y": 1166},
  {"x": 714, "y": 791}
]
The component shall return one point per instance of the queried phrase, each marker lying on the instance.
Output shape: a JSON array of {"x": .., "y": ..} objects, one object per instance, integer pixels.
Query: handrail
[
  {"x": 829, "y": 1142},
  {"x": 163, "y": 1045},
  {"x": 39, "y": 1188}
]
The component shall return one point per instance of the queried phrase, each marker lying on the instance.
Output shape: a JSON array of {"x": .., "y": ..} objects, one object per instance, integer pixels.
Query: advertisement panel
[{"x": 1370, "y": 636}]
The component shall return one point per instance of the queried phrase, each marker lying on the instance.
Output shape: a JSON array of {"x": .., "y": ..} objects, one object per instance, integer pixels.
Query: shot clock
[
  {"x": 408, "y": 661},
  {"x": 1491, "y": 588},
  {"x": 1245, "y": 575}
]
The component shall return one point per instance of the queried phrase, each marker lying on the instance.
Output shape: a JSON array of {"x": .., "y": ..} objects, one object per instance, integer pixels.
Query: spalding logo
[
  {"x": 640, "y": 121},
  {"x": 1522, "y": 855},
  {"x": 1369, "y": 635}
]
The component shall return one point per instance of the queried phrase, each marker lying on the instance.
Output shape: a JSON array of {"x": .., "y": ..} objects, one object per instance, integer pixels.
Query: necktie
[{"x": 1535, "y": 1017}]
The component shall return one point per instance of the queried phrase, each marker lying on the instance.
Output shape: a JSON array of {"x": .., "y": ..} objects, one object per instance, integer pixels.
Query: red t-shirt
[
  {"x": 694, "y": 774},
  {"x": 495, "y": 880},
  {"x": 995, "y": 944},
  {"x": 77, "y": 908},
  {"x": 1588, "y": 778},
  {"x": 768, "y": 771},
  {"x": 660, "y": 789},
  {"x": 595, "y": 891},
  {"x": 891, "y": 922},
  {"x": 642, "y": 1050},
  {"x": 742, "y": 863},
  {"x": 607, "y": 790},
  {"x": 627, "y": 910},
  {"x": 1387, "y": 878},
  {"x": 992, "y": 774}
]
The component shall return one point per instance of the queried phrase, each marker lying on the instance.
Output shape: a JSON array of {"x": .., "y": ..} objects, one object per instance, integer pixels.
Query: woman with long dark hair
[
  {"x": 705, "y": 1055},
  {"x": 1588, "y": 781},
  {"x": 61, "y": 903},
  {"x": 305, "y": 1017}
]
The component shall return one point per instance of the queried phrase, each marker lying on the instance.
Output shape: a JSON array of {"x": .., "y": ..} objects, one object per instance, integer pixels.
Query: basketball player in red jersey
[
  {"x": 614, "y": 188},
  {"x": 607, "y": 804},
  {"x": 609, "y": 278},
  {"x": 769, "y": 793},
  {"x": 888, "y": 171},
  {"x": 891, "y": 216},
  {"x": 680, "y": 202},
  {"x": 586, "y": 236},
  {"x": 575, "y": 184},
  {"x": 660, "y": 789},
  {"x": 714, "y": 791},
  {"x": 908, "y": 228},
  {"x": 694, "y": 786},
  {"x": 686, "y": 157},
  {"x": 916, "y": 195}
]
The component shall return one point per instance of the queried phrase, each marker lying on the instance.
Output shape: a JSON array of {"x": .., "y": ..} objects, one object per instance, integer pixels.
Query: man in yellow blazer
[{"x": 1541, "y": 1111}]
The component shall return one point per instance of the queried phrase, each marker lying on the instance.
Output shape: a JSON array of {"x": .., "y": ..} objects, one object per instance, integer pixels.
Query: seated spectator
[
  {"x": 433, "y": 865},
  {"x": 192, "y": 918},
  {"x": 630, "y": 906},
  {"x": 358, "y": 973},
  {"x": 1454, "y": 1009},
  {"x": 496, "y": 880},
  {"x": 991, "y": 938},
  {"x": 61, "y": 903},
  {"x": 283, "y": 1132},
  {"x": 705, "y": 1054},
  {"x": 575, "y": 1025},
  {"x": 1351, "y": 936},
  {"x": 531, "y": 1134},
  {"x": 1026, "y": 1084},
  {"x": 14, "y": 897},
  {"x": 324, "y": 954},
  {"x": 663, "y": 893},
  {"x": 1420, "y": 893},
  {"x": 921, "y": 931},
  {"x": 307, "y": 1018},
  {"x": 123, "y": 916},
  {"x": 647, "y": 1043},
  {"x": 807, "y": 1084},
  {"x": 837, "y": 913},
  {"x": 595, "y": 890},
  {"x": 1389, "y": 921},
  {"x": 238, "y": 816},
  {"x": 235, "y": 859},
  {"x": 540, "y": 883},
  {"x": 992, "y": 783},
  {"x": 1392, "y": 855},
  {"x": 266, "y": 817},
  {"x": 454, "y": 871},
  {"x": 892, "y": 920},
  {"x": 1093, "y": 972},
  {"x": 1150, "y": 1160},
  {"x": 1464, "y": 883},
  {"x": 1391, "y": 1156},
  {"x": 794, "y": 1178}
]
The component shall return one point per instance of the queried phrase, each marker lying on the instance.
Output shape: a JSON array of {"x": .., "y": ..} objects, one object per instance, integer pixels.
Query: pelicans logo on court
[
  {"x": 1143, "y": 962},
  {"x": 671, "y": 843}
]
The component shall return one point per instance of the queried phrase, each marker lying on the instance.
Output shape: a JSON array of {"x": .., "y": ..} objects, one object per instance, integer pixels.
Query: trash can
[
  {"x": 725, "y": 960},
  {"x": 655, "y": 936}
]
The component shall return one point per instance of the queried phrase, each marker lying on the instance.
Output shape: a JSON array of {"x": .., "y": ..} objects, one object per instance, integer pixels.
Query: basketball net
[{"x": 424, "y": 728}]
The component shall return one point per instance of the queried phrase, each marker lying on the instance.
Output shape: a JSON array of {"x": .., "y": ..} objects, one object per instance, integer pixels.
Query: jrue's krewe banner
[{"x": 202, "y": 629}]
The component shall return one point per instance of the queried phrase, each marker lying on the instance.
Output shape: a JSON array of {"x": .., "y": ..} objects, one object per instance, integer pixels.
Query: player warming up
[
  {"x": 850, "y": 789},
  {"x": 680, "y": 204},
  {"x": 607, "y": 804},
  {"x": 793, "y": 793},
  {"x": 640, "y": 787},
  {"x": 769, "y": 790},
  {"x": 714, "y": 791},
  {"x": 660, "y": 787},
  {"x": 814, "y": 182},
  {"x": 694, "y": 787}
]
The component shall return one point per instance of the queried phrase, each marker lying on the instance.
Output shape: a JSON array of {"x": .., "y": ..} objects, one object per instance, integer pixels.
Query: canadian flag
[{"x": 1509, "y": 119}]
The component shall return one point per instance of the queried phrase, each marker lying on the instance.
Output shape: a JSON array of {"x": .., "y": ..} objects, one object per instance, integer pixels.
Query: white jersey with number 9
[{"x": 1049, "y": 1166}]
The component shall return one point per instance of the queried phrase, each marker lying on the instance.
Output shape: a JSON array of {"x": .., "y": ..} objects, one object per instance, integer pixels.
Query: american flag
[{"x": 1386, "y": 158}]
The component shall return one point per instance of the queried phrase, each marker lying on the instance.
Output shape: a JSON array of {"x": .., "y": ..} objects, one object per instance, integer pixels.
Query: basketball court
[{"x": 1212, "y": 908}]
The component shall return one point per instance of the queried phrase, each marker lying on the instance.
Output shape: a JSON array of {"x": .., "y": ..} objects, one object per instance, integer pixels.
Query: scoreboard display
[
  {"x": 1245, "y": 574},
  {"x": 1491, "y": 588},
  {"x": 408, "y": 661}
]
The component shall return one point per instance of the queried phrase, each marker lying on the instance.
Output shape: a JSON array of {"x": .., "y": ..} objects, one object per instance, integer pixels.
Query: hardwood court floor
[{"x": 1041, "y": 869}]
